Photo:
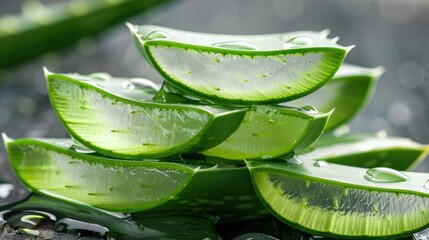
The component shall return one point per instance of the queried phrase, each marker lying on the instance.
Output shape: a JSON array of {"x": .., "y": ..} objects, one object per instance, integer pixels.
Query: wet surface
[{"x": 389, "y": 33}]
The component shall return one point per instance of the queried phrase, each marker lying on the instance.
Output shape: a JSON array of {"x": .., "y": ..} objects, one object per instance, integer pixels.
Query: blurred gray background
[{"x": 390, "y": 33}]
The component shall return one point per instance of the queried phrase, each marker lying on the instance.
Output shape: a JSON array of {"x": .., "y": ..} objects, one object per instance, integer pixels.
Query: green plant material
[
  {"x": 270, "y": 131},
  {"x": 240, "y": 69},
  {"x": 40, "y": 29},
  {"x": 116, "y": 117},
  {"x": 132, "y": 186},
  {"x": 367, "y": 150},
  {"x": 347, "y": 93},
  {"x": 334, "y": 200},
  {"x": 162, "y": 225}
]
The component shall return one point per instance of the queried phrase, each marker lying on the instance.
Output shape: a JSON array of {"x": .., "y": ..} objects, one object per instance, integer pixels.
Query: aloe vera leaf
[
  {"x": 51, "y": 167},
  {"x": 367, "y": 150},
  {"x": 342, "y": 201},
  {"x": 57, "y": 26},
  {"x": 163, "y": 225},
  {"x": 271, "y": 131},
  {"x": 347, "y": 93},
  {"x": 116, "y": 117},
  {"x": 241, "y": 69}
]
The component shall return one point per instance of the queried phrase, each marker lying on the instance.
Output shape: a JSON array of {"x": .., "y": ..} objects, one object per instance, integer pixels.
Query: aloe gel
[
  {"x": 367, "y": 150},
  {"x": 341, "y": 201},
  {"x": 133, "y": 186},
  {"x": 268, "y": 132},
  {"x": 117, "y": 118},
  {"x": 240, "y": 69},
  {"x": 347, "y": 92}
]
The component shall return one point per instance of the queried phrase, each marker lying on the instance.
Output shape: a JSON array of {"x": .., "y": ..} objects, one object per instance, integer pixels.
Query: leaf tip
[
  {"x": 324, "y": 33},
  {"x": 348, "y": 48},
  {"x": 46, "y": 71},
  {"x": 378, "y": 71},
  {"x": 6, "y": 138}
]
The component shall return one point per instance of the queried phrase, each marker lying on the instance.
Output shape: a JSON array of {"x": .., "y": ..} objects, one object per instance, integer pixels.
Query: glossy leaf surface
[
  {"x": 347, "y": 92},
  {"x": 116, "y": 117},
  {"x": 240, "y": 69},
  {"x": 269, "y": 131},
  {"x": 52, "y": 167},
  {"x": 343, "y": 201},
  {"x": 367, "y": 150}
]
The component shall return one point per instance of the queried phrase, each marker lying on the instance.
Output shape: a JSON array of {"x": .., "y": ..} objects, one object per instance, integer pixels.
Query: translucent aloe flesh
[
  {"x": 58, "y": 25},
  {"x": 367, "y": 150},
  {"x": 51, "y": 167},
  {"x": 116, "y": 117},
  {"x": 162, "y": 225},
  {"x": 270, "y": 131},
  {"x": 347, "y": 92},
  {"x": 241, "y": 69},
  {"x": 348, "y": 202}
]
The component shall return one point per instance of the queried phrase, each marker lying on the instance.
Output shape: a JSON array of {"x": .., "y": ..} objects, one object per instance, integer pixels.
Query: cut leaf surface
[
  {"x": 241, "y": 69},
  {"x": 347, "y": 93},
  {"x": 54, "y": 168},
  {"x": 116, "y": 117},
  {"x": 367, "y": 150},
  {"x": 342, "y": 201},
  {"x": 270, "y": 131}
]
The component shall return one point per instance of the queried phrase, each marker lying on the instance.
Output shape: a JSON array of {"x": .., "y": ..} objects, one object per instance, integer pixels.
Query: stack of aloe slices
[{"x": 233, "y": 132}]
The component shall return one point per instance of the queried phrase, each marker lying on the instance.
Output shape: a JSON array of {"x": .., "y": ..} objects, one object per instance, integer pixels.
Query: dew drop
[
  {"x": 157, "y": 35},
  {"x": 298, "y": 42},
  {"x": 385, "y": 175},
  {"x": 295, "y": 160},
  {"x": 308, "y": 109},
  {"x": 236, "y": 45},
  {"x": 321, "y": 163},
  {"x": 64, "y": 144},
  {"x": 80, "y": 148},
  {"x": 128, "y": 84}
]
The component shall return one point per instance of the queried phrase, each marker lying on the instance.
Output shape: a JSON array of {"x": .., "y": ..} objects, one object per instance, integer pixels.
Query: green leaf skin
[
  {"x": 367, "y": 150},
  {"x": 40, "y": 29},
  {"x": 347, "y": 93},
  {"x": 116, "y": 117},
  {"x": 270, "y": 131},
  {"x": 272, "y": 71},
  {"x": 53, "y": 168},
  {"x": 341, "y": 201},
  {"x": 162, "y": 225}
]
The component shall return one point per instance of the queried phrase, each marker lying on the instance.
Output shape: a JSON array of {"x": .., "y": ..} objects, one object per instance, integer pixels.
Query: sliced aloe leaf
[
  {"x": 347, "y": 93},
  {"x": 52, "y": 167},
  {"x": 271, "y": 131},
  {"x": 342, "y": 201},
  {"x": 58, "y": 25},
  {"x": 163, "y": 225},
  {"x": 241, "y": 69},
  {"x": 116, "y": 117},
  {"x": 367, "y": 150}
]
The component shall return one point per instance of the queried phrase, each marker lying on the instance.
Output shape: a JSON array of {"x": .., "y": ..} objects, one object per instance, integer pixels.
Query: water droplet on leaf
[
  {"x": 236, "y": 45},
  {"x": 321, "y": 164},
  {"x": 308, "y": 109},
  {"x": 298, "y": 42},
  {"x": 385, "y": 175},
  {"x": 294, "y": 160},
  {"x": 157, "y": 35},
  {"x": 128, "y": 85}
]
